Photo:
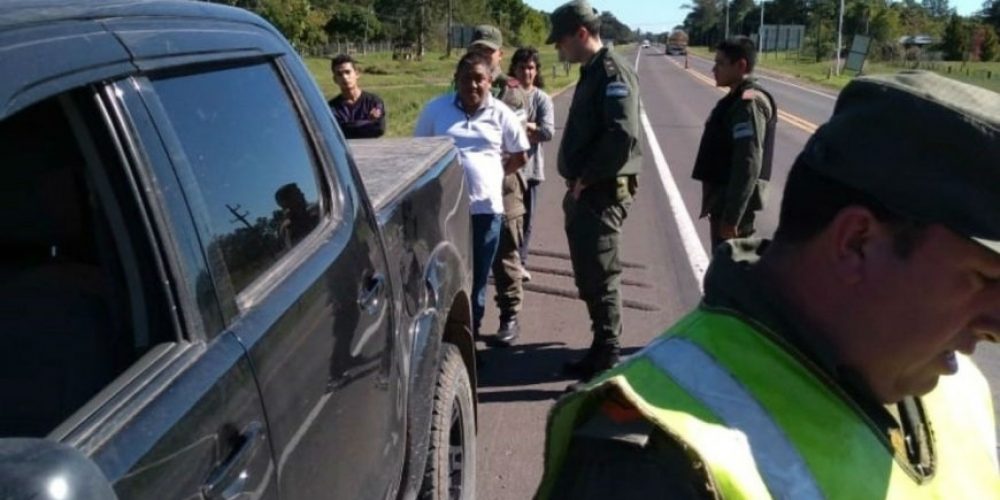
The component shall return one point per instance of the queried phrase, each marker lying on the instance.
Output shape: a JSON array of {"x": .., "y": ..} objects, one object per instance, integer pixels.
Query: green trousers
[
  {"x": 593, "y": 231},
  {"x": 507, "y": 268}
]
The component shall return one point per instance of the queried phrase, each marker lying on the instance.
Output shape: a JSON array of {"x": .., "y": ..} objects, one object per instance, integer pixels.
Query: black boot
[
  {"x": 596, "y": 360},
  {"x": 509, "y": 331}
]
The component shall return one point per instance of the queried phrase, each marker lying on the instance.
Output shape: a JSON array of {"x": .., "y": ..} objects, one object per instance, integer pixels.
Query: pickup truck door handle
[
  {"x": 229, "y": 478},
  {"x": 371, "y": 297}
]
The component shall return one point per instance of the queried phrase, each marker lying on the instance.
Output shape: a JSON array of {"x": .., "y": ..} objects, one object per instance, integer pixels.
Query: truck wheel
[{"x": 451, "y": 458}]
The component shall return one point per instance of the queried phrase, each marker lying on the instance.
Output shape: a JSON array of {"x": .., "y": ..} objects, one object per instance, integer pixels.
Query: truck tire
[{"x": 451, "y": 458}]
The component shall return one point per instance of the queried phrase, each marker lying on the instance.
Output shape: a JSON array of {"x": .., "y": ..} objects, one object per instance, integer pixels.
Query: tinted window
[
  {"x": 247, "y": 150},
  {"x": 79, "y": 298}
]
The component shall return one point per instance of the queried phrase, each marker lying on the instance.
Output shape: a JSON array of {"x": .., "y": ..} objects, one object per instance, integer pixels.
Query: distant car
[{"x": 645, "y": 44}]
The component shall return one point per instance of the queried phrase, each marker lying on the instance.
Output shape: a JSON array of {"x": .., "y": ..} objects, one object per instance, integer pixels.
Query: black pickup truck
[{"x": 205, "y": 291}]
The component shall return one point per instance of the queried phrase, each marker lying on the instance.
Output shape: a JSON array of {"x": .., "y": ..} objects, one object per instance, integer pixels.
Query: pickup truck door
[
  {"x": 298, "y": 267},
  {"x": 177, "y": 412}
]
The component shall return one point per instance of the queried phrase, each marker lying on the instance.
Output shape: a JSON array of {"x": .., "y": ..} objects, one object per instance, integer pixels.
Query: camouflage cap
[
  {"x": 568, "y": 17},
  {"x": 925, "y": 146},
  {"x": 487, "y": 36}
]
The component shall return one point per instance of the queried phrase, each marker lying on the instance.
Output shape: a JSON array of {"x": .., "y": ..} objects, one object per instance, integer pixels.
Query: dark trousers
[
  {"x": 507, "y": 268},
  {"x": 485, "y": 238},
  {"x": 530, "y": 202},
  {"x": 593, "y": 231}
]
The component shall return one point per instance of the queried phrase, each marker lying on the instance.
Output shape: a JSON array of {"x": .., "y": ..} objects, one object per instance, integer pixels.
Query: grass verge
[
  {"x": 406, "y": 86},
  {"x": 788, "y": 63}
]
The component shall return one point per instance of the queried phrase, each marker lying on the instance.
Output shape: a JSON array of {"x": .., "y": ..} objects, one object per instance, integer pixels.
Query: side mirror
[{"x": 46, "y": 470}]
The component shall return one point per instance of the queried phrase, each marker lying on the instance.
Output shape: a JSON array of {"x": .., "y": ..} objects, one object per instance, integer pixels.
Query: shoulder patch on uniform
[
  {"x": 748, "y": 94},
  {"x": 742, "y": 130},
  {"x": 610, "y": 66},
  {"x": 617, "y": 89}
]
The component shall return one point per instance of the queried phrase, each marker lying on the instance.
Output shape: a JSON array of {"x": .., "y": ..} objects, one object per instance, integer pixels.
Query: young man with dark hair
[
  {"x": 734, "y": 158},
  {"x": 834, "y": 361},
  {"x": 360, "y": 114}
]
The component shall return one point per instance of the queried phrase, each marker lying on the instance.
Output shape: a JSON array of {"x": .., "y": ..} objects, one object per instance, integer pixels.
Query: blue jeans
[{"x": 485, "y": 239}]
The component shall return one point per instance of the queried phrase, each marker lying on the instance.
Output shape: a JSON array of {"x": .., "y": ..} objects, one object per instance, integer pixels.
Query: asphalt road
[{"x": 519, "y": 385}]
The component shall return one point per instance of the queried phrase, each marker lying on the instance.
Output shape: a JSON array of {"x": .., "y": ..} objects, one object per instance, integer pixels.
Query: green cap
[
  {"x": 925, "y": 146},
  {"x": 487, "y": 36},
  {"x": 568, "y": 17}
]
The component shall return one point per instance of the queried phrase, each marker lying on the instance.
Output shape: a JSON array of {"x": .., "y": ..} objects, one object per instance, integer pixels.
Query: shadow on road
[{"x": 521, "y": 367}]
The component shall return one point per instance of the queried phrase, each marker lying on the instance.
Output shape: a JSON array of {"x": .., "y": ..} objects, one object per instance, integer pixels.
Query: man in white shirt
[{"x": 491, "y": 143}]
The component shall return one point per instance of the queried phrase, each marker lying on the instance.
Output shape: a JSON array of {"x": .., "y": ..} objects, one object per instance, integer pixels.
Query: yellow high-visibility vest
[{"x": 766, "y": 425}]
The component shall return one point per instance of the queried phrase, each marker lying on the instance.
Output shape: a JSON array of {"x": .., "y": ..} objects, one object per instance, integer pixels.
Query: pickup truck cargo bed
[{"x": 389, "y": 167}]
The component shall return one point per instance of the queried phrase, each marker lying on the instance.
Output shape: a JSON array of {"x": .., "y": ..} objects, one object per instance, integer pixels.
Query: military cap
[
  {"x": 487, "y": 36},
  {"x": 925, "y": 146},
  {"x": 568, "y": 17}
]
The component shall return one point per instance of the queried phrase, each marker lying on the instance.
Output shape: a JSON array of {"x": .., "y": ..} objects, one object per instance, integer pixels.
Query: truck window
[
  {"x": 252, "y": 163},
  {"x": 79, "y": 298}
]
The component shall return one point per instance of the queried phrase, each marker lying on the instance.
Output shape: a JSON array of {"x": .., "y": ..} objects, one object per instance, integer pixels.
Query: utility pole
[
  {"x": 364, "y": 43},
  {"x": 840, "y": 36},
  {"x": 726, "y": 37},
  {"x": 420, "y": 29},
  {"x": 760, "y": 31},
  {"x": 450, "y": 21}
]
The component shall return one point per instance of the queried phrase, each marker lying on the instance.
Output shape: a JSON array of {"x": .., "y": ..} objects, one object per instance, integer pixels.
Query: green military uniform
[
  {"x": 734, "y": 159},
  {"x": 916, "y": 142},
  {"x": 507, "y": 268},
  {"x": 600, "y": 148},
  {"x": 646, "y": 463}
]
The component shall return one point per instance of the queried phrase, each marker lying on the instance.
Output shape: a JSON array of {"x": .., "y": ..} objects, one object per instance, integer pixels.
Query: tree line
[
  {"x": 960, "y": 38},
  {"x": 421, "y": 23}
]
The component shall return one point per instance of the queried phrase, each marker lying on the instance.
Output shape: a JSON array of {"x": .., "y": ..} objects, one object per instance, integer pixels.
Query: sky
[{"x": 657, "y": 16}]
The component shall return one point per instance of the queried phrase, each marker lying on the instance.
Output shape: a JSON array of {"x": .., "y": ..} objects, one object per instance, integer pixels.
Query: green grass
[
  {"x": 406, "y": 86},
  {"x": 819, "y": 72}
]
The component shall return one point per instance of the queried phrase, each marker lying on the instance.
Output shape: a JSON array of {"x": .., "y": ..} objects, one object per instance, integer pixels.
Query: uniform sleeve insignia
[
  {"x": 742, "y": 130},
  {"x": 617, "y": 89},
  {"x": 749, "y": 94},
  {"x": 610, "y": 67}
]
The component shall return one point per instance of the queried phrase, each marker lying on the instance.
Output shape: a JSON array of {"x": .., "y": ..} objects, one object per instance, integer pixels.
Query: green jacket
[
  {"x": 611, "y": 452},
  {"x": 739, "y": 127},
  {"x": 602, "y": 136}
]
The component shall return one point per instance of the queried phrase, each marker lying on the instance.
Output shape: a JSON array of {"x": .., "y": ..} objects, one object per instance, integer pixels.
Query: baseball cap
[
  {"x": 568, "y": 17},
  {"x": 925, "y": 146},
  {"x": 487, "y": 36}
]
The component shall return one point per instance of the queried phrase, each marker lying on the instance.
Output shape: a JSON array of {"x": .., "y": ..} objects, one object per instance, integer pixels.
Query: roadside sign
[
  {"x": 859, "y": 52},
  {"x": 781, "y": 37}
]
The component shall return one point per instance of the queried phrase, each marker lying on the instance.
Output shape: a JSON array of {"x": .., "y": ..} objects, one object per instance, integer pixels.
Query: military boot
[
  {"x": 510, "y": 329},
  {"x": 597, "y": 359},
  {"x": 604, "y": 358}
]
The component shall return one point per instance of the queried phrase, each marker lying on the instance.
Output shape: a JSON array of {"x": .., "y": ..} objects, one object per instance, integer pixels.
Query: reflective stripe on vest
[{"x": 784, "y": 471}]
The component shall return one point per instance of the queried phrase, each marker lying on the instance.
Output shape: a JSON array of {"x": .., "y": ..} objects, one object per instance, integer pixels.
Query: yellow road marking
[{"x": 795, "y": 121}]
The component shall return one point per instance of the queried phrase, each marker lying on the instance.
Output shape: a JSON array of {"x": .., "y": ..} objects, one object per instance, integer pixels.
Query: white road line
[
  {"x": 785, "y": 82},
  {"x": 696, "y": 254},
  {"x": 697, "y": 257}
]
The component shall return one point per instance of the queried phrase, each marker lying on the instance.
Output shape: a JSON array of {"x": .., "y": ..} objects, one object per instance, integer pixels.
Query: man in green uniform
[
  {"x": 488, "y": 41},
  {"x": 507, "y": 278},
  {"x": 831, "y": 362},
  {"x": 600, "y": 158},
  {"x": 734, "y": 159}
]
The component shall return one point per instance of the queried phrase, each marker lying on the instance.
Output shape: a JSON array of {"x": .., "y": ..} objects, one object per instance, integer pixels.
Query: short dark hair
[
  {"x": 343, "y": 59},
  {"x": 525, "y": 55},
  {"x": 739, "y": 47},
  {"x": 593, "y": 26},
  {"x": 470, "y": 60},
  {"x": 812, "y": 200}
]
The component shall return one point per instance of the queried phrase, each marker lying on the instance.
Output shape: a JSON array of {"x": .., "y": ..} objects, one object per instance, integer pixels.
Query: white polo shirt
[{"x": 481, "y": 139}]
